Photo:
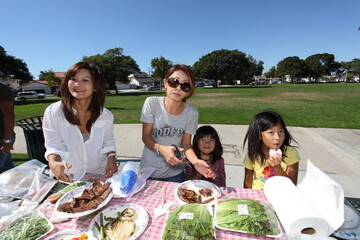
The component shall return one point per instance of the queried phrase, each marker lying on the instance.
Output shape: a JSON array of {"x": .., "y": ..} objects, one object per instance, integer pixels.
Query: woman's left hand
[
  {"x": 202, "y": 167},
  {"x": 111, "y": 168}
]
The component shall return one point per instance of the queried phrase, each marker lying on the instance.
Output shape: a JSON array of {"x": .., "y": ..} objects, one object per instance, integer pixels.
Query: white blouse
[{"x": 65, "y": 139}]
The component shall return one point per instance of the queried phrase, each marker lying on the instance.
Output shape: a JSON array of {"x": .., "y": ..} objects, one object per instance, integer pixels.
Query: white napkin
[
  {"x": 273, "y": 151},
  {"x": 317, "y": 203},
  {"x": 167, "y": 208}
]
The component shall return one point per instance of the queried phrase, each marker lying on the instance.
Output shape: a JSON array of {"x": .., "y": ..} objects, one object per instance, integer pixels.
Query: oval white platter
[
  {"x": 141, "y": 220},
  {"x": 76, "y": 193}
]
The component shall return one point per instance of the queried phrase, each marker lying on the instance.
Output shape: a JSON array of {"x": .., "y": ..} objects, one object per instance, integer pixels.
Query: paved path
[{"x": 334, "y": 151}]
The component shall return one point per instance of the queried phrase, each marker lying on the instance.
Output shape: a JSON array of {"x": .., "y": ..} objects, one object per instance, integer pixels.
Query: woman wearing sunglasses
[{"x": 170, "y": 120}]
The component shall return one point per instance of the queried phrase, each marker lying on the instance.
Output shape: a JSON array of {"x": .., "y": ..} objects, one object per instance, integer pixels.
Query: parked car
[
  {"x": 22, "y": 96},
  {"x": 200, "y": 84},
  {"x": 154, "y": 88}
]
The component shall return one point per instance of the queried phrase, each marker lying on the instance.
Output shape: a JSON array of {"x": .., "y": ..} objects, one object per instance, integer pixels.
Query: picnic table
[{"x": 150, "y": 197}]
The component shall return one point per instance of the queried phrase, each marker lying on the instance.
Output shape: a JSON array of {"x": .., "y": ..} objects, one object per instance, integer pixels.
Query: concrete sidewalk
[{"x": 334, "y": 151}]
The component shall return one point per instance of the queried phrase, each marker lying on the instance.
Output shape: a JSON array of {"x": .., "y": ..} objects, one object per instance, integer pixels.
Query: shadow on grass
[
  {"x": 138, "y": 93},
  {"x": 116, "y": 108},
  {"x": 36, "y": 101}
]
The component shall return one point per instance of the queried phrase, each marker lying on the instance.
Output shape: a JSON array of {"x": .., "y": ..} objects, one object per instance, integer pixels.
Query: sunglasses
[{"x": 174, "y": 83}]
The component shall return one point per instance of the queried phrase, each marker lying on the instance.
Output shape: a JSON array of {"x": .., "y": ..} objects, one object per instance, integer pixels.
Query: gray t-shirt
[{"x": 167, "y": 129}]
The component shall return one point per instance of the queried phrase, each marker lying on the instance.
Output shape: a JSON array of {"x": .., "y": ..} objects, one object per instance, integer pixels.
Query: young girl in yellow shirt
[{"x": 269, "y": 151}]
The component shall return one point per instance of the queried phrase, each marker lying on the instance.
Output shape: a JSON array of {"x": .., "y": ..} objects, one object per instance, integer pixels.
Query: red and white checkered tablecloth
[{"x": 150, "y": 198}]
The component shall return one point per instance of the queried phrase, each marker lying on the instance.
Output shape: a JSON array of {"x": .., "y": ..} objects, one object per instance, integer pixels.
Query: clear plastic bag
[{"x": 24, "y": 181}]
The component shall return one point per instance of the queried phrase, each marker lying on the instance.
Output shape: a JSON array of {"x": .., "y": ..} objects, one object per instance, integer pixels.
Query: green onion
[{"x": 26, "y": 228}]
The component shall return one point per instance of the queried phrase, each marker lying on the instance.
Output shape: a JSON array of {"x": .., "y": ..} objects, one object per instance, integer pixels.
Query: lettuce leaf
[
  {"x": 200, "y": 227},
  {"x": 255, "y": 222}
]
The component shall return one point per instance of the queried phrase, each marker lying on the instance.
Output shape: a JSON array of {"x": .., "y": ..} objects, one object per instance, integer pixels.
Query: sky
[{"x": 53, "y": 35}]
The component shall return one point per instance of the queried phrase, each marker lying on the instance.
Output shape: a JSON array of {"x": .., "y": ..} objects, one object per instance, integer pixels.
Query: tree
[
  {"x": 114, "y": 66},
  {"x": 226, "y": 65},
  {"x": 160, "y": 65},
  {"x": 293, "y": 66},
  {"x": 271, "y": 73},
  {"x": 320, "y": 64},
  {"x": 256, "y": 68},
  {"x": 50, "y": 77},
  {"x": 351, "y": 68},
  {"x": 11, "y": 67}
]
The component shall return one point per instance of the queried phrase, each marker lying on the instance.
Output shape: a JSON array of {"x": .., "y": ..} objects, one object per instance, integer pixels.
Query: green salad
[
  {"x": 254, "y": 220},
  {"x": 189, "y": 222}
]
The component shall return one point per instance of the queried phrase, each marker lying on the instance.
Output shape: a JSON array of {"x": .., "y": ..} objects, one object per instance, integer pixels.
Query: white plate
[
  {"x": 141, "y": 220},
  {"x": 66, "y": 234},
  {"x": 196, "y": 185},
  {"x": 271, "y": 216},
  {"x": 76, "y": 193},
  {"x": 351, "y": 226}
]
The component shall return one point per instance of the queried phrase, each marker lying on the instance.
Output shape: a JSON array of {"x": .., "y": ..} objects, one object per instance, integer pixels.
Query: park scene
[{"x": 180, "y": 121}]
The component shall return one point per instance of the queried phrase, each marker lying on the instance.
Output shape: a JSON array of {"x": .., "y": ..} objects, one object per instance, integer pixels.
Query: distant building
[
  {"x": 141, "y": 80},
  {"x": 37, "y": 86}
]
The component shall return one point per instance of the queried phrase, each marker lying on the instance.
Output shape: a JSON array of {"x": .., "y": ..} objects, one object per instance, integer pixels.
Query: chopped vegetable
[
  {"x": 26, "y": 228},
  {"x": 255, "y": 221},
  {"x": 190, "y": 221},
  {"x": 71, "y": 187},
  {"x": 83, "y": 236}
]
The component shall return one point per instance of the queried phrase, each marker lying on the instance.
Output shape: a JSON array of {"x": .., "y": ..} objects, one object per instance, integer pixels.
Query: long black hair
[
  {"x": 262, "y": 122},
  {"x": 208, "y": 131},
  {"x": 98, "y": 97}
]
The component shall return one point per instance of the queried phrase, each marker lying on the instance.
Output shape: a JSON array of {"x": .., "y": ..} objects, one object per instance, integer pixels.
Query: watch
[{"x": 7, "y": 141}]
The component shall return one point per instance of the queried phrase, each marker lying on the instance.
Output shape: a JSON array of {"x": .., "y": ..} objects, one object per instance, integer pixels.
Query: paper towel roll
[{"x": 294, "y": 211}]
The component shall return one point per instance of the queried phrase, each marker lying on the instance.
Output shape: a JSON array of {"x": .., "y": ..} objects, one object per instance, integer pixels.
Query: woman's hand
[
  {"x": 169, "y": 154},
  {"x": 202, "y": 167},
  {"x": 111, "y": 167},
  {"x": 57, "y": 167}
]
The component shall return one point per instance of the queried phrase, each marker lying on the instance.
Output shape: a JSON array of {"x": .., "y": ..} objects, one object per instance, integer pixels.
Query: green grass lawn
[
  {"x": 330, "y": 105},
  {"x": 19, "y": 158}
]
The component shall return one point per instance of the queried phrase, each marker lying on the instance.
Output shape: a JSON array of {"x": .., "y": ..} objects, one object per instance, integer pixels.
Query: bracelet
[
  {"x": 111, "y": 155},
  {"x": 157, "y": 149},
  {"x": 7, "y": 141}
]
